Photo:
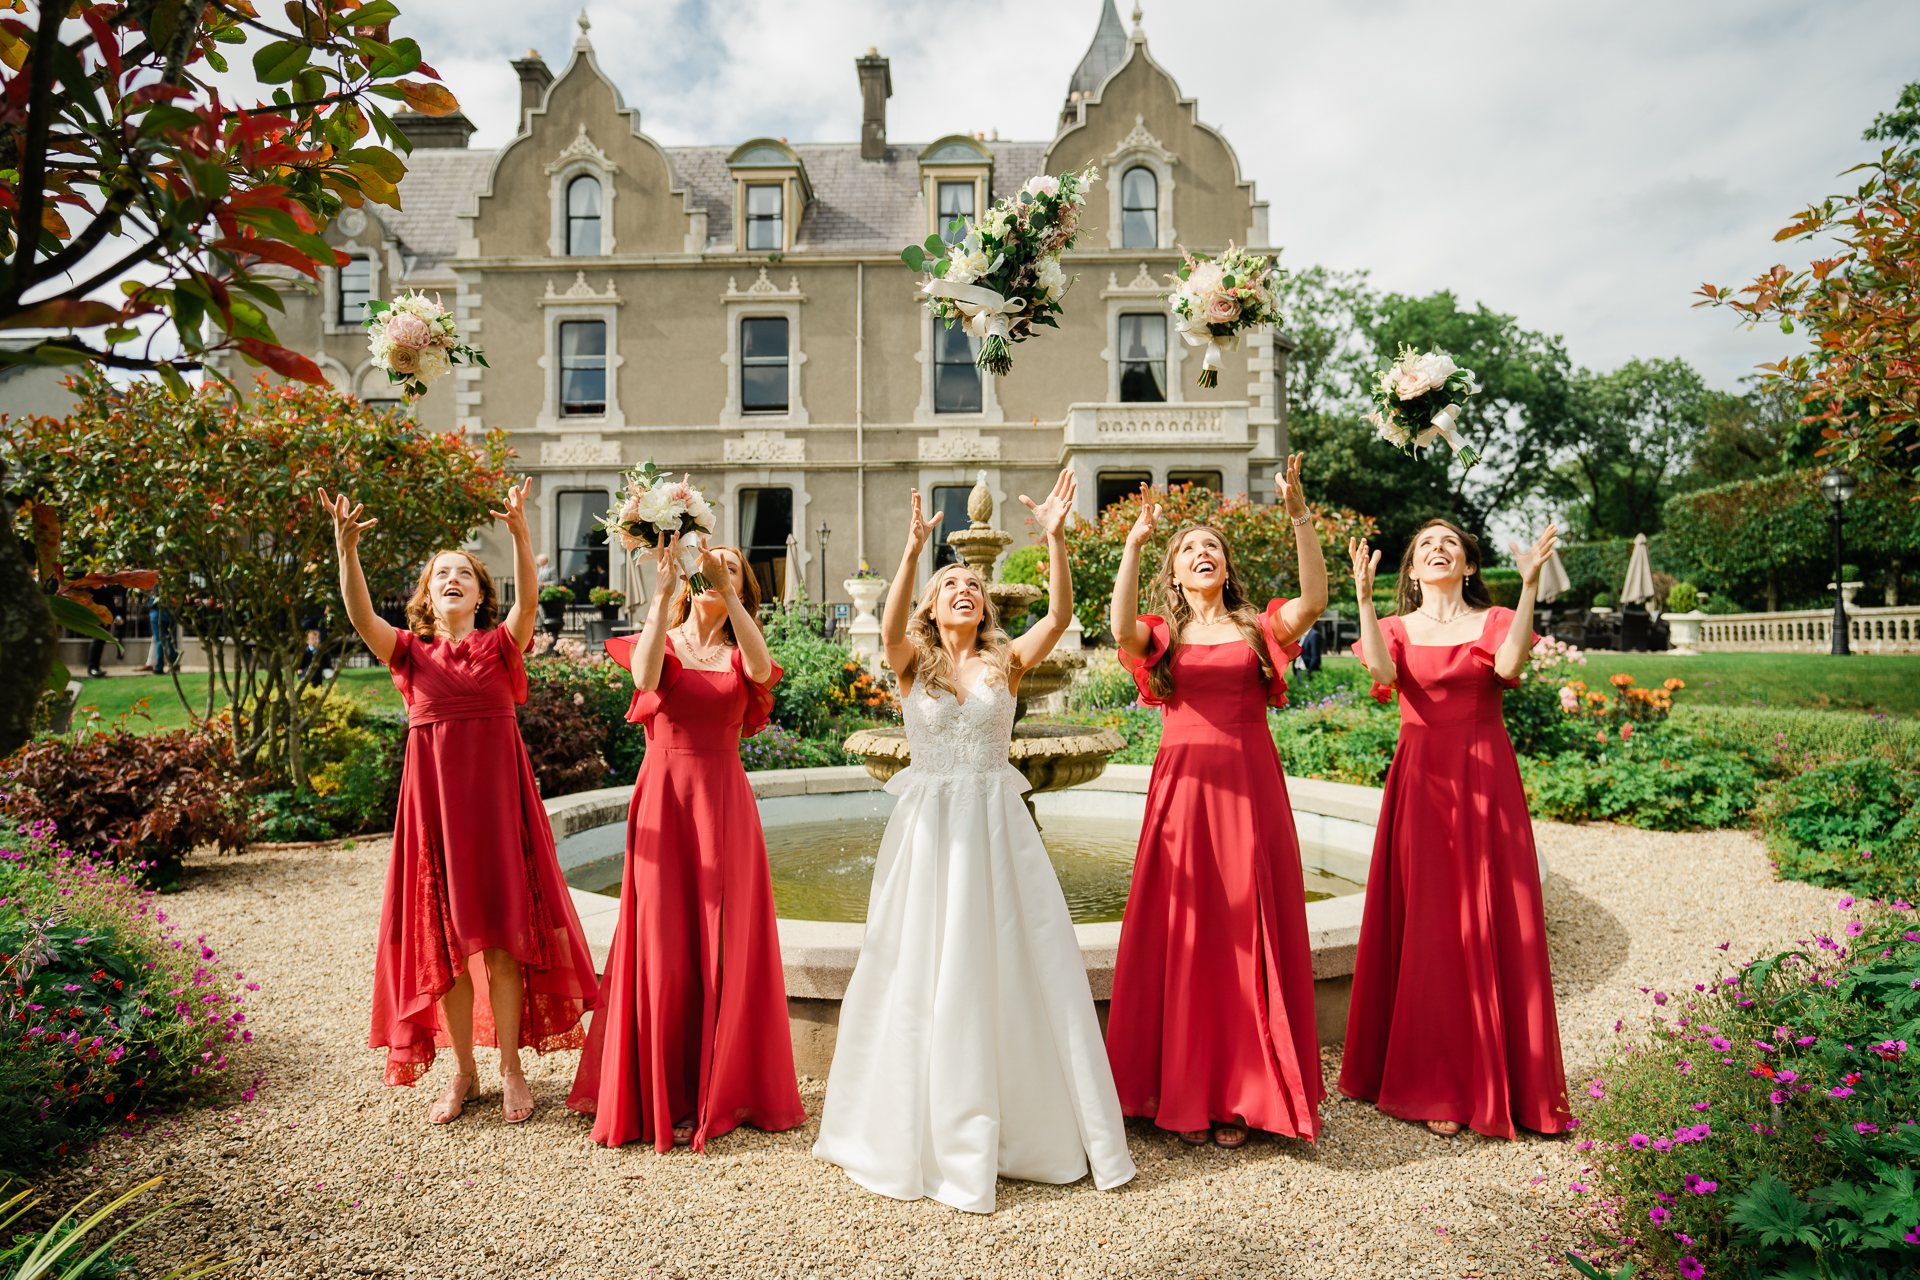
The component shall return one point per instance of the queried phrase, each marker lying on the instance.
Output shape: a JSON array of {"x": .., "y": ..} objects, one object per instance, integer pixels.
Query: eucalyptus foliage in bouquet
[
  {"x": 416, "y": 341},
  {"x": 1004, "y": 276},
  {"x": 1215, "y": 298},
  {"x": 655, "y": 508},
  {"x": 1420, "y": 397}
]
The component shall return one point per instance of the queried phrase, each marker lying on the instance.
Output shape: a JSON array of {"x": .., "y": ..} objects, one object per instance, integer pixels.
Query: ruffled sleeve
[
  {"x": 400, "y": 662},
  {"x": 646, "y": 705},
  {"x": 759, "y": 697},
  {"x": 1395, "y": 635},
  {"x": 515, "y": 663},
  {"x": 1282, "y": 654},
  {"x": 1492, "y": 635},
  {"x": 1159, "y": 640}
]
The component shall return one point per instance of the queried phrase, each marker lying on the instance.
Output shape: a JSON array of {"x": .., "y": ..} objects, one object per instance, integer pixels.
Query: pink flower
[
  {"x": 404, "y": 329},
  {"x": 1840, "y": 1091},
  {"x": 1221, "y": 309},
  {"x": 1659, "y": 997},
  {"x": 1691, "y": 1269},
  {"x": 1042, "y": 185},
  {"x": 1660, "y": 1215},
  {"x": 1700, "y": 1186},
  {"x": 1866, "y": 1128},
  {"x": 1626, "y": 732},
  {"x": 1639, "y": 1141},
  {"x": 1595, "y": 1091}
]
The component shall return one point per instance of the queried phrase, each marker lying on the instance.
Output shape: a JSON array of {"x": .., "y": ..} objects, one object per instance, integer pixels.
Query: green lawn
[
  {"x": 116, "y": 695},
  {"x": 1889, "y": 683}
]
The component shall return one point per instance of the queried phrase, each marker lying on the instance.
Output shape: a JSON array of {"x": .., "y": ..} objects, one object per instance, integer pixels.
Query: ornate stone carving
[
  {"x": 959, "y": 448},
  {"x": 766, "y": 446},
  {"x": 353, "y": 222},
  {"x": 763, "y": 290},
  {"x": 1141, "y": 140},
  {"x": 579, "y": 291},
  {"x": 582, "y": 148},
  {"x": 580, "y": 449},
  {"x": 1160, "y": 423}
]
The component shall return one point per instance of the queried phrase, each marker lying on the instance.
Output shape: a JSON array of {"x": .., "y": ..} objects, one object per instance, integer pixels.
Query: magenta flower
[
  {"x": 1639, "y": 1141},
  {"x": 1595, "y": 1091},
  {"x": 1855, "y": 928},
  {"x": 1659, "y": 997},
  {"x": 1662, "y": 1144},
  {"x": 1840, "y": 1091},
  {"x": 1702, "y": 1106},
  {"x": 1683, "y": 1238},
  {"x": 1720, "y": 1044},
  {"x": 1660, "y": 1215},
  {"x": 1787, "y": 1077},
  {"x": 1700, "y": 1186},
  {"x": 1691, "y": 1269},
  {"x": 1866, "y": 1128}
]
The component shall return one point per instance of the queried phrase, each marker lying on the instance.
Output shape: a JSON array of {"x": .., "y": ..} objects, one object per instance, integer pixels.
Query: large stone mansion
[{"x": 741, "y": 312}]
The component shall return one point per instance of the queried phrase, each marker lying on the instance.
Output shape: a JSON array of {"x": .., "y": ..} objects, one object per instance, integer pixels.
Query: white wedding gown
[{"x": 968, "y": 1045}]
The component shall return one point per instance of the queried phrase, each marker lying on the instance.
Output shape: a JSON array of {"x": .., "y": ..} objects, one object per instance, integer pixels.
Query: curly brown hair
[
  {"x": 1407, "y": 596},
  {"x": 749, "y": 595},
  {"x": 1178, "y": 612},
  {"x": 422, "y": 620}
]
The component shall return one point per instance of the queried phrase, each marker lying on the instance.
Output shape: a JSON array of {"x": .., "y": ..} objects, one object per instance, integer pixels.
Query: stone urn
[
  {"x": 1848, "y": 590},
  {"x": 865, "y": 627},
  {"x": 1684, "y": 632}
]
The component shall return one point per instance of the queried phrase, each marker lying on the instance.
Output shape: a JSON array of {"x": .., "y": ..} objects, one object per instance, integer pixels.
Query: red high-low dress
[
  {"x": 692, "y": 1026},
  {"x": 473, "y": 867},
  {"x": 1452, "y": 1015},
  {"x": 1212, "y": 1015}
]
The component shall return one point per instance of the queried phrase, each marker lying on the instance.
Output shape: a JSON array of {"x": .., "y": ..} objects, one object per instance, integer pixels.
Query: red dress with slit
[
  {"x": 1212, "y": 1016},
  {"x": 692, "y": 1027},
  {"x": 1452, "y": 1015},
  {"x": 473, "y": 867}
]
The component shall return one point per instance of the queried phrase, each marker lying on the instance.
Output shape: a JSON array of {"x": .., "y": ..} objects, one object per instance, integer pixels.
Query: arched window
[
  {"x": 583, "y": 217},
  {"x": 1139, "y": 209}
]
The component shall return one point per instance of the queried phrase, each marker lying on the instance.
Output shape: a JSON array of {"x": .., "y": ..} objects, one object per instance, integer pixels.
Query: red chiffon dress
[
  {"x": 473, "y": 867},
  {"x": 1452, "y": 1015},
  {"x": 692, "y": 1027},
  {"x": 1212, "y": 1015}
]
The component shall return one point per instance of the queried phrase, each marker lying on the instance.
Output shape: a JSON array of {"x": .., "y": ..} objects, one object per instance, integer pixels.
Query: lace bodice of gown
[{"x": 956, "y": 743}]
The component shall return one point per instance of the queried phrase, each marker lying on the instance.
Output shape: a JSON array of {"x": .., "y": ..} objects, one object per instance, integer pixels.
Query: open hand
[
  {"x": 666, "y": 571},
  {"x": 1532, "y": 561},
  {"x": 1286, "y": 483},
  {"x": 347, "y": 524},
  {"x": 1144, "y": 526},
  {"x": 516, "y": 513},
  {"x": 713, "y": 567},
  {"x": 1364, "y": 566},
  {"x": 1052, "y": 514},
  {"x": 919, "y": 530}
]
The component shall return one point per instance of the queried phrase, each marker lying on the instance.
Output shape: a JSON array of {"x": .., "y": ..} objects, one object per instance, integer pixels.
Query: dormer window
[
  {"x": 956, "y": 210},
  {"x": 1139, "y": 209},
  {"x": 583, "y": 217},
  {"x": 956, "y": 175},
  {"x": 770, "y": 196},
  {"x": 765, "y": 226}
]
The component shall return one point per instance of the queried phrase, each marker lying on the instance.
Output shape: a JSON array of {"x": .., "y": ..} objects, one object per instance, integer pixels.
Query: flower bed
[
  {"x": 1765, "y": 1123},
  {"x": 109, "y": 1012}
]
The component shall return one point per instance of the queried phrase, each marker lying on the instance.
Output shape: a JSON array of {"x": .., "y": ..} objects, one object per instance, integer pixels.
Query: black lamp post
[
  {"x": 822, "y": 533},
  {"x": 1836, "y": 487}
]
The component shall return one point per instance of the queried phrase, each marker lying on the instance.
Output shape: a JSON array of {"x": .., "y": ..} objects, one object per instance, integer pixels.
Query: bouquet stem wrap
[
  {"x": 985, "y": 315},
  {"x": 686, "y": 554},
  {"x": 1216, "y": 357}
]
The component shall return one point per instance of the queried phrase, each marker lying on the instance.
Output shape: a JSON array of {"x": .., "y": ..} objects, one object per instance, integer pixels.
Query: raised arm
[
  {"x": 1031, "y": 648},
  {"x": 1301, "y": 612},
  {"x": 377, "y": 633},
  {"x": 520, "y": 619},
  {"x": 1373, "y": 645},
  {"x": 755, "y": 657},
  {"x": 1511, "y": 658},
  {"x": 1124, "y": 613},
  {"x": 650, "y": 651},
  {"x": 893, "y": 623}
]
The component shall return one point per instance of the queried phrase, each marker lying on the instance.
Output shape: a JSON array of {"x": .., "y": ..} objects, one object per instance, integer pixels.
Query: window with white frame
[
  {"x": 956, "y": 202},
  {"x": 766, "y": 228},
  {"x": 581, "y": 542},
  {"x": 956, "y": 378},
  {"x": 1117, "y": 486},
  {"x": 356, "y": 288},
  {"x": 1143, "y": 357},
  {"x": 763, "y": 364},
  {"x": 583, "y": 368},
  {"x": 1139, "y": 209},
  {"x": 950, "y": 500},
  {"x": 766, "y": 522},
  {"x": 583, "y": 217}
]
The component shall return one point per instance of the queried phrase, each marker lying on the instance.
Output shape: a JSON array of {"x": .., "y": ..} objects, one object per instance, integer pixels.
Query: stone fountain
[{"x": 1052, "y": 756}]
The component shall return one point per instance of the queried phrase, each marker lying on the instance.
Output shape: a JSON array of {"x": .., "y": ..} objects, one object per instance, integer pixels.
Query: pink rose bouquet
[
  {"x": 1423, "y": 396},
  {"x": 654, "y": 508},
  {"x": 416, "y": 341},
  {"x": 1215, "y": 299}
]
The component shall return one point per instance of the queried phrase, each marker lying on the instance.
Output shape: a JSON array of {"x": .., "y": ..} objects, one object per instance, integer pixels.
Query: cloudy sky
[{"x": 1584, "y": 167}]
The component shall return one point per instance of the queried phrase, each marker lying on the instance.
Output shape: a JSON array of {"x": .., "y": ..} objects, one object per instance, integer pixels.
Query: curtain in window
[
  {"x": 583, "y": 217},
  {"x": 1140, "y": 209},
  {"x": 1143, "y": 358}
]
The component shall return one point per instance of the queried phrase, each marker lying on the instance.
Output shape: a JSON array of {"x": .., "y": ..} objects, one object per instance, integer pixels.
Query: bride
[{"x": 968, "y": 1046}]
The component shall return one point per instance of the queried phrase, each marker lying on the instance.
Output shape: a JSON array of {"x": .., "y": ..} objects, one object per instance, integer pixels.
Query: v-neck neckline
[{"x": 958, "y": 701}]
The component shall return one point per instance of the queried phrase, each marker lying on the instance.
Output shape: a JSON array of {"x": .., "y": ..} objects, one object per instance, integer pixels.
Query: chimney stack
[
  {"x": 534, "y": 79},
  {"x": 876, "y": 86}
]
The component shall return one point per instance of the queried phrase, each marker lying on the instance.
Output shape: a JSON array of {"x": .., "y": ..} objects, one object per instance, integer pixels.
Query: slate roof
[
  {"x": 440, "y": 183},
  {"x": 1108, "y": 51}
]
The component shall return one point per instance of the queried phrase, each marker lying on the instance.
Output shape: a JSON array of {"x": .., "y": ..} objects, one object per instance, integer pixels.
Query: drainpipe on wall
[{"x": 860, "y": 412}]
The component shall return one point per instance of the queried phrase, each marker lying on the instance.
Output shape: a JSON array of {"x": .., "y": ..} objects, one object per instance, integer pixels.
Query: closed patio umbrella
[
  {"x": 790, "y": 590},
  {"x": 1638, "y": 587},
  {"x": 1553, "y": 579}
]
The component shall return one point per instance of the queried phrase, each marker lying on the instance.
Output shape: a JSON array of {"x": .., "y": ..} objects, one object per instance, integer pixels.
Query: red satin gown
[
  {"x": 692, "y": 1026},
  {"x": 473, "y": 867},
  {"x": 1452, "y": 1015},
  {"x": 1212, "y": 1016}
]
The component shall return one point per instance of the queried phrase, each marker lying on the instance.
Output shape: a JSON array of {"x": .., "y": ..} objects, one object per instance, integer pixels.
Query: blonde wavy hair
[
  {"x": 1178, "y": 612},
  {"x": 930, "y": 666}
]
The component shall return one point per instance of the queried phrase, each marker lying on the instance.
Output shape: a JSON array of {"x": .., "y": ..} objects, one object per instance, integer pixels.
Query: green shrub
[
  {"x": 774, "y": 747},
  {"x": 1603, "y": 601},
  {"x": 1140, "y": 726},
  {"x": 1102, "y": 685},
  {"x": 1721, "y": 602},
  {"x": 1767, "y": 1119},
  {"x": 1848, "y": 824},
  {"x": 1503, "y": 585},
  {"x": 553, "y": 593},
  {"x": 1684, "y": 598},
  {"x": 1660, "y": 778},
  {"x": 1795, "y": 738},
  {"x": 354, "y": 757},
  {"x": 1339, "y": 742}
]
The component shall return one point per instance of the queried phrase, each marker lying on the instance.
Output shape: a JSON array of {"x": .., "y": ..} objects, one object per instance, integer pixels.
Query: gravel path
[{"x": 327, "y": 1173}]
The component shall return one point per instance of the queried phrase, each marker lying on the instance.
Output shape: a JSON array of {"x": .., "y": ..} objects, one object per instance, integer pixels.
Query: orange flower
[
  {"x": 1675, "y": 682},
  {"x": 1620, "y": 681}
]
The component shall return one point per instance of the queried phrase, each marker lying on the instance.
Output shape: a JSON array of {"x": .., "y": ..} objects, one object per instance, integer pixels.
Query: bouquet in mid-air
[
  {"x": 1215, "y": 298},
  {"x": 1004, "y": 275},
  {"x": 655, "y": 508},
  {"x": 1420, "y": 397},
  {"x": 416, "y": 341}
]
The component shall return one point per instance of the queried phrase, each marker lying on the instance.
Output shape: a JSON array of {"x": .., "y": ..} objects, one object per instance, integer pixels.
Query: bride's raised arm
[
  {"x": 893, "y": 623},
  {"x": 1031, "y": 648}
]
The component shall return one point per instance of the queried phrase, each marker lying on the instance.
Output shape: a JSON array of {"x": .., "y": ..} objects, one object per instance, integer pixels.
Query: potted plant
[
  {"x": 609, "y": 601},
  {"x": 554, "y": 600}
]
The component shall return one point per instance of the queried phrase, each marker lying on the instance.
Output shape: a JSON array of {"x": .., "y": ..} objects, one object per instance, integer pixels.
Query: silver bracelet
[{"x": 1302, "y": 520}]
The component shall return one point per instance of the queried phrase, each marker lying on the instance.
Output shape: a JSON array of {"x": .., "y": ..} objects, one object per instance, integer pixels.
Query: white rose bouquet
[
  {"x": 1215, "y": 298},
  {"x": 1420, "y": 397},
  {"x": 416, "y": 341},
  {"x": 1004, "y": 276},
  {"x": 655, "y": 508}
]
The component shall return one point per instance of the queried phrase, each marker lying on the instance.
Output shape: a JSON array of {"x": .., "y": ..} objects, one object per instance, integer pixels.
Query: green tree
[
  {"x": 1902, "y": 124},
  {"x": 222, "y": 497},
  {"x": 1756, "y": 433},
  {"x": 1635, "y": 432}
]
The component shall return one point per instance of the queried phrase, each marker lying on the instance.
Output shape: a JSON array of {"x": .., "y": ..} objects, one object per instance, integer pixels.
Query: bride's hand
[
  {"x": 1052, "y": 514},
  {"x": 918, "y": 529}
]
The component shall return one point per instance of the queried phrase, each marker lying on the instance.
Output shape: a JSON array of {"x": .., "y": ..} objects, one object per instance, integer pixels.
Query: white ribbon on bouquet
[
  {"x": 983, "y": 312},
  {"x": 1445, "y": 425},
  {"x": 1217, "y": 346}
]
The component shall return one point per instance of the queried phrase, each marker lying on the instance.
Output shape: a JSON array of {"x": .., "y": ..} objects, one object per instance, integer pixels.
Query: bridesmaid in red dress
[
  {"x": 1211, "y": 1029},
  {"x": 473, "y": 873},
  {"x": 692, "y": 1035},
  {"x": 1452, "y": 1020}
]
